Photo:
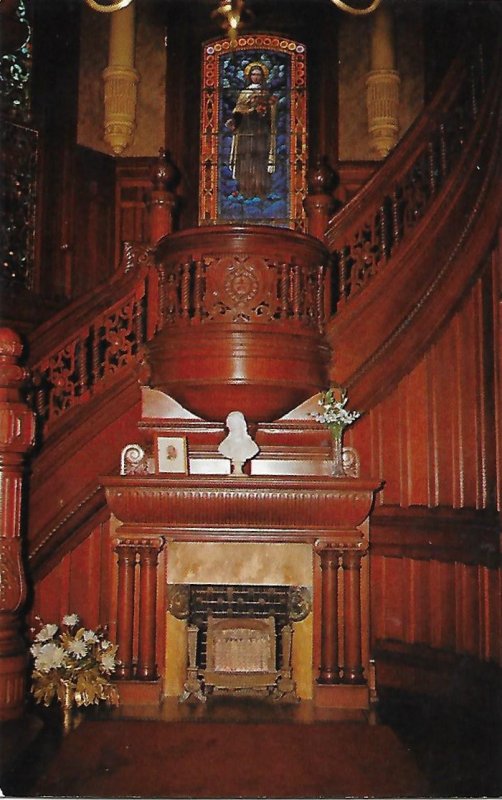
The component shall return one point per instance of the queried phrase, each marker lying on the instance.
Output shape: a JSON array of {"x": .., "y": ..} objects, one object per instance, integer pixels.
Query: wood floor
[{"x": 456, "y": 751}]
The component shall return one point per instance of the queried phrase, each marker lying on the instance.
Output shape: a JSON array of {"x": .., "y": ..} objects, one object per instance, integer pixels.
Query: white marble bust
[{"x": 238, "y": 446}]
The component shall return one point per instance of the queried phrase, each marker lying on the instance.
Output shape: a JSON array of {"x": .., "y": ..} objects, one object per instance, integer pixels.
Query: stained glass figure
[{"x": 253, "y": 132}]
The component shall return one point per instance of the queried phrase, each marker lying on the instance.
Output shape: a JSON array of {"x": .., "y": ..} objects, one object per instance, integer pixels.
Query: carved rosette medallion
[{"x": 241, "y": 283}]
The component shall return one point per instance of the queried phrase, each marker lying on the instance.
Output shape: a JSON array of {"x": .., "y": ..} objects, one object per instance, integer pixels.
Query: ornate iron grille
[{"x": 237, "y": 601}]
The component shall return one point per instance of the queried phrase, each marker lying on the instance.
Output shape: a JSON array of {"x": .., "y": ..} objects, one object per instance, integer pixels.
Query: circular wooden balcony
[{"x": 242, "y": 313}]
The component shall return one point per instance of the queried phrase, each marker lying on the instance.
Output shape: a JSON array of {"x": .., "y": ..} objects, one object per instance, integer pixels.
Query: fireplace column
[
  {"x": 352, "y": 667},
  {"x": 126, "y": 559},
  {"x": 148, "y": 556},
  {"x": 329, "y": 670}
]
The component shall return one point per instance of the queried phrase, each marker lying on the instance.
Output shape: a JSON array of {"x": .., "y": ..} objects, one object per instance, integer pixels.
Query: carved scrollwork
[
  {"x": 299, "y": 603},
  {"x": 135, "y": 256},
  {"x": 351, "y": 462},
  {"x": 12, "y": 585},
  {"x": 178, "y": 600},
  {"x": 134, "y": 461}
]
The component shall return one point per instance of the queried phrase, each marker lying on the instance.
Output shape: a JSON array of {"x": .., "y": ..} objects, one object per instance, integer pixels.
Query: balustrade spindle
[
  {"x": 185, "y": 291},
  {"x": 161, "y": 300},
  {"x": 40, "y": 397},
  {"x": 342, "y": 266},
  {"x": 320, "y": 308},
  {"x": 198, "y": 289},
  {"x": 95, "y": 356},
  {"x": 82, "y": 376},
  {"x": 395, "y": 212},
  {"x": 431, "y": 168},
  {"x": 138, "y": 323},
  {"x": 296, "y": 291},
  {"x": 443, "y": 156},
  {"x": 283, "y": 289},
  {"x": 382, "y": 229}
]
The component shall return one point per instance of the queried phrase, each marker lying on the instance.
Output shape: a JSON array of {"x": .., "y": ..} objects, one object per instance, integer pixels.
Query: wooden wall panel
[
  {"x": 451, "y": 607},
  {"x": 433, "y": 439},
  {"x": 78, "y": 584},
  {"x": 435, "y": 570}
]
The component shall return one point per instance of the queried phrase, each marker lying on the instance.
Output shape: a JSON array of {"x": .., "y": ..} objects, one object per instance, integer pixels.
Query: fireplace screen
[{"x": 239, "y": 637}]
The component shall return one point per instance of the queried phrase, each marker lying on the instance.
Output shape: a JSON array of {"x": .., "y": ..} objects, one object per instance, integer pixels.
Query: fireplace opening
[{"x": 251, "y": 625}]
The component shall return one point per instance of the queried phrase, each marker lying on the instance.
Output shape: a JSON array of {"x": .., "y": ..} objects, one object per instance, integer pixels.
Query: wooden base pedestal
[
  {"x": 140, "y": 693},
  {"x": 341, "y": 696}
]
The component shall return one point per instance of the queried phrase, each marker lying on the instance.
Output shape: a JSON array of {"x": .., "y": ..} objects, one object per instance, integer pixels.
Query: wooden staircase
[{"x": 405, "y": 251}]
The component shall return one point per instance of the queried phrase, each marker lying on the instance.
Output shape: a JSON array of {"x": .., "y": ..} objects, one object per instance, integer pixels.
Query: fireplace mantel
[{"x": 254, "y": 508}]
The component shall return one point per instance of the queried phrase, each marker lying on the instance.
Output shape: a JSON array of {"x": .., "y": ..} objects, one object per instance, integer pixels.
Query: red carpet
[{"x": 117, "y": 758}]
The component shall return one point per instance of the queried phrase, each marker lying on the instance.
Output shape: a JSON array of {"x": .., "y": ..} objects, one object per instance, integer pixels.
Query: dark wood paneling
[
  {"x": 79, "y": 583},
  {"x": 94, "y": 240}
]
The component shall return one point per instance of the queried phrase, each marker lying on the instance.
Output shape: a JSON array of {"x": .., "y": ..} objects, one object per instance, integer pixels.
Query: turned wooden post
[
  {"x": 329, "y": 670},
  {"x": 352, "y": 667},
  {"x": 148, "y": 556},
  {"x": 126, "y": 559},
  {"x": 319, "y": 201},
  {"x": 17, "y": 432},
  {"x": 162, "y": 201}
]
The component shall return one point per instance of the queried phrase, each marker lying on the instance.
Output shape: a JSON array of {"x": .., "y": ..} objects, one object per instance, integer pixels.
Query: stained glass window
[{"x": 253, "y": 132}]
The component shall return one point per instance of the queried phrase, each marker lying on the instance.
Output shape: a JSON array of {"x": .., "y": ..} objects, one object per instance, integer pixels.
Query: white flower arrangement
[
  {"x": 69, "y": 659},
  {"x": 334, "y": 414}
]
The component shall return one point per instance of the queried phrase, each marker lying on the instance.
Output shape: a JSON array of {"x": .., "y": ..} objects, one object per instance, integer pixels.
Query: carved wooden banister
[
  {"x": 79, "y": 352},
  {"x": 409, "y": 244},
  {"x": 367, "y": 232}
]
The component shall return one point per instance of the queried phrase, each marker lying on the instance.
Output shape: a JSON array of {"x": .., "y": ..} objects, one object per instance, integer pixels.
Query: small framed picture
[{"x": 171, "y": 454}]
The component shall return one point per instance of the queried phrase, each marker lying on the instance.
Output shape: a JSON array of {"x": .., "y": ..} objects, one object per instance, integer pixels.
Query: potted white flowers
[
  {"x": 336, "y": 417},
  {"x": 73, "y": 664}
]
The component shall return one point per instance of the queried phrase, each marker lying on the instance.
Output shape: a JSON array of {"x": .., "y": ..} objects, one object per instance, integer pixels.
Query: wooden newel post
[
  {"x": 162, "y": 200},
  {"x": 17, "y": 433},
  {"x": 329, "y": 671},
  {"x": 319, "y": 202}
]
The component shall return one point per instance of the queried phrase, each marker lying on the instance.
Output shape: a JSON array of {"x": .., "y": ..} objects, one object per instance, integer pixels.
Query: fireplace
[{"x": 287, "y": 523}]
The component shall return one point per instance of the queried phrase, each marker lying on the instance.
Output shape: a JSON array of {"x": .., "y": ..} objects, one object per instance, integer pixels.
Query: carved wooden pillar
[
  {"x": 148, "y": 557},
  {"x": 126, "y": 559},
  {"x": 329, "y": 669},
  {"x": 352, "y": 667},
  {"x": 17, "y": 431}
]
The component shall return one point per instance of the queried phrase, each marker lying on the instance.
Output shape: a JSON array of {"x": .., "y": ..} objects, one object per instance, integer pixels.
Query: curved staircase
[{"x": 406, "y": 251}]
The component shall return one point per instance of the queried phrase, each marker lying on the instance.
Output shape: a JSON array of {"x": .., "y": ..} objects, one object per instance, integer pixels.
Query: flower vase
[
  {"x": 337, "y": 453},
  {"x": 67, "y": 706}
]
